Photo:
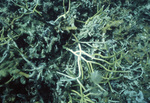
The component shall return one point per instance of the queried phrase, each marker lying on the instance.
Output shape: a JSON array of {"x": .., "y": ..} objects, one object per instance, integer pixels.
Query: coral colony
[{"x": 74, "y": 51}]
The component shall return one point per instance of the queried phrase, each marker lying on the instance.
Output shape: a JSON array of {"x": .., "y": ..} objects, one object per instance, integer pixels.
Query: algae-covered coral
[{"x": 74, "y": 51}]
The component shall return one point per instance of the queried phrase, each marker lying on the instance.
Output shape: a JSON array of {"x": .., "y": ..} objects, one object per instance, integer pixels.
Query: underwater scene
[{"x": 74, "y": 51}]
